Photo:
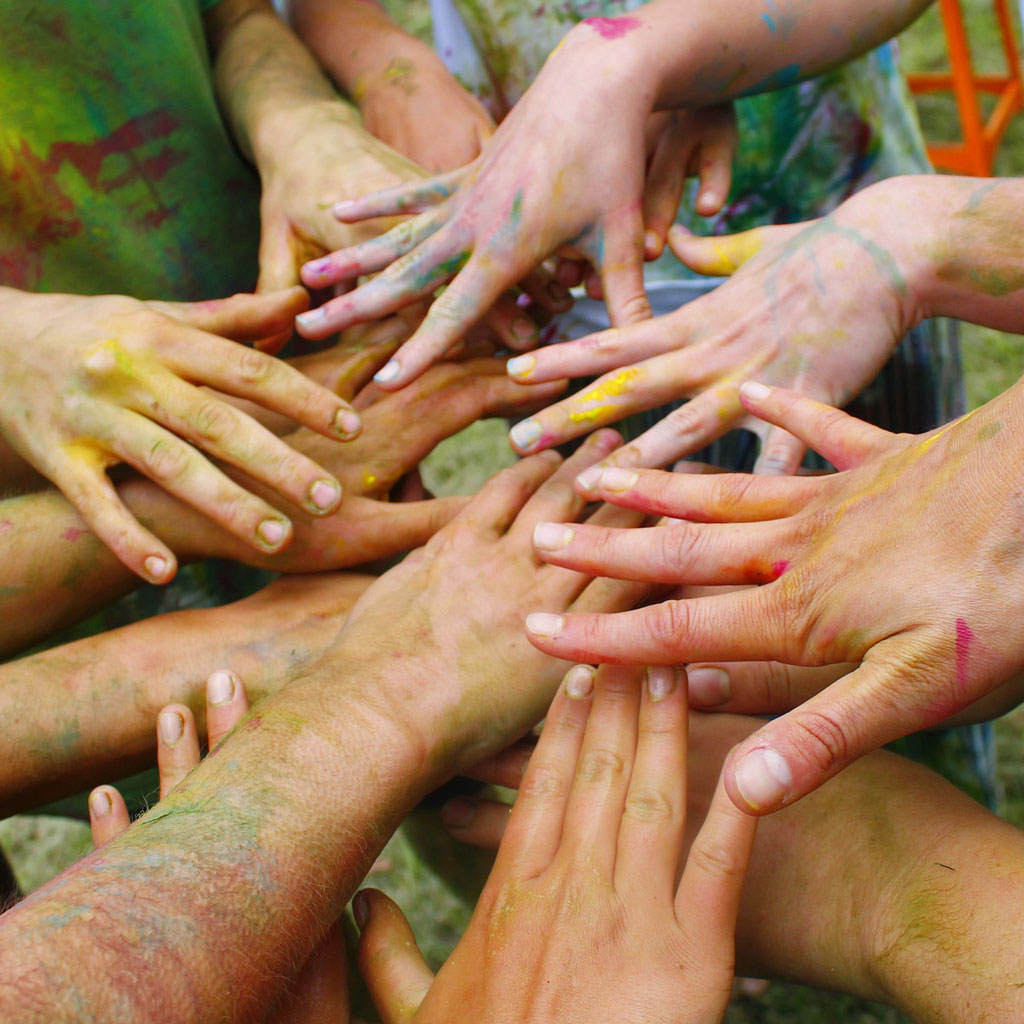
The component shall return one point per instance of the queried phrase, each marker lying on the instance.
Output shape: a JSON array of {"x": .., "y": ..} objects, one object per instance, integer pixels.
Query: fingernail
[
  {"x": 755, "y": 391},
  {"x": 324, "y": 494},
  {"x": 311, "y": 317},
  {"x": 544, "y": 624},
  {"x": 525, "y": 434},
  {"x": 361, "y": 910},
  {"x": 220, "y": 687},
  {"x": 552, "y": 536},
  {"x": 156, "y": 567},
  {"x": 171, "y": 727},
  {"x": 558, "y": 291},
  {"x": 520, "y": 366},
  {"x": 708, "y": 687},
  {"x": 579, "y": 682},
  {"x": 388, "y": 372},
  {"x": 272, "y": 532},
  {"x": 589, "y": 477},
  {"x": 615, "y": 479},
  {"x": 763, "y": 778},
  {"x": 523, "y": 328},
  {"x": 708, "y": 195},
  {"x": 320, "y": 266},
  {"x": 652, "y": 241},
  {"x": 100, "y": 803},
  {"x": 347, "y": 423},
  {"x": 458, "y": 813},
  {"x": 341, "y": 207},
  {"x": 661, "y": 681}
]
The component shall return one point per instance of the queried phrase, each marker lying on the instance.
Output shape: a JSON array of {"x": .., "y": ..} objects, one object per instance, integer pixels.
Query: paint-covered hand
[
  {"x": 544, "y": 183},
  {"x": 817, "y": 307},
  {"x": 320, "y": 991},
  {"x": 582, "y": 918},
  {"x": 907, "y": 562},
  {"x": 89, "y": 382}
]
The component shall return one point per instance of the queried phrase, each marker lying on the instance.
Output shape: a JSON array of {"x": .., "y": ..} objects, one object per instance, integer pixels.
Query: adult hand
[
  {"x": 818, "y": 307},
  {"x": 320, "y": 991},
  {"x": 857, "y": 566},
  {"x": 582, "y": 915},
  {"x": 92, "y": 381}
]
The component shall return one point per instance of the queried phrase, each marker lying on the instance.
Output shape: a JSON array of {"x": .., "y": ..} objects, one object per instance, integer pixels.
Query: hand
[
  {"x": 320, "y": 991},
  {"x": 818, "y": 307},
  {"x": 582, "y": 915},
  {"x": 541, "y": 185},
  {"x": 857, "y": 566},
  {"x": 94, "y": 381}
]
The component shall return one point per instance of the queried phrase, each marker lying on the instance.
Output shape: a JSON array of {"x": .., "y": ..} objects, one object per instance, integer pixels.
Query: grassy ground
[{"x": 40, "y": 847}]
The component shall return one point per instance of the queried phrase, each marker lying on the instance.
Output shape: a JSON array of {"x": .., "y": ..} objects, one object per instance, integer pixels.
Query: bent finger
[
  {"x": 108, "y": 815},
  {"x": 759, "y": 687},
  {"x": 177, "y": 745}
]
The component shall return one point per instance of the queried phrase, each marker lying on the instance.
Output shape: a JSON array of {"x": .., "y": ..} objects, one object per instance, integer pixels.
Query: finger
[
  {"x": 271, "y": 383},
  {"x": 411, "y": 197},
  {"x": 547, "y": 291},
  {"x": 86, "y": 486},
  {"x": 503, "y": 497},
  {"x": 622, "y": 267},
  {"x": 708, "y": 898},
  {"x": 717, "y": 152},
  {"x": 701, "y": 497},
  {"x": 672, "y": 632},
  {"x": 698, "y": 554},
  {"x": 534, "y": 829},
  {"x": 654, "y": 818},
  {"x": 722, "y": 255},
  {"x": 177, "y": 745},
  {"x": 759, "y": 687},
  {"x": 372, "y": 255},
  {"x": 597, "y": 799},
  {"x": 241, "y": 317},
  {"x": 791, "y": 756},
  {"x": 505, "y": 768},
  {"x": 570, "y": 272},
  {"x": 663, "y": 190},
  {"x": 514, "y": 328},
  {"x": 278, "y": 261},
  {"x": 226, "y": 703},
  {"x": 319, "y": 992},
  {"x": 108, "y": 815},
  {"x": 781, "y": 454},
  {"x": 557, "y": 499},
  {"x": 389, "y": 959},
  {"x": 840, "y": 438},
  {"x": 476, "y": 822}
]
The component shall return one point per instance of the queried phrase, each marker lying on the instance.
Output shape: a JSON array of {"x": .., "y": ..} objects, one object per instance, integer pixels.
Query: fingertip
[
  {"x": 221, "y": 687},
  {"x": 754, "y": 392},
  {"x": 654, "y": 245},
  {"x": 159, "y": 567},
  {"x": 758, "y": 779},
  {"x": 101, "y": 803}
]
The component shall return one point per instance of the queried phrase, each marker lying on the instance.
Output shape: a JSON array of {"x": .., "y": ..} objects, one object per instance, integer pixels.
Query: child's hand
[
  {"x": 582, "y": 919},
  {"x": 89, "y": 382}
]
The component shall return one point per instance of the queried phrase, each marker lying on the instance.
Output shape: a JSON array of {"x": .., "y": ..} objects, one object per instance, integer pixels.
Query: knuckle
[
  {"x": 212, "y": 420},
  {"x": 680, "y": 545},
  {"x": 670, "y": 623},
  {"x": 543, "y": 783},
  {"x": 823, "y": 740},
  {"x": 167, "y": 460},
  {"x": 713, "y": 857},
  {"x": 253, "y": 367},
  {"x": 635, "y": 308},
  {"x": 601, "y": 765},
  {"x": 651, "y": 806}
]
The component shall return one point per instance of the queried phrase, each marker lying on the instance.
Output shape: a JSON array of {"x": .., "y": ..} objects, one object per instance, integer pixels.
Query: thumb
[
  {"x": 278, "y": 260},
  {"x": 621, "y": 265},
  {"x": 389, "y": 959},
  {"x": 722, "y": 255}
]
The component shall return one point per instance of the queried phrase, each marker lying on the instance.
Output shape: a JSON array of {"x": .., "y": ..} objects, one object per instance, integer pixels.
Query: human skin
[
  {"x": 856, "y": 566},
  {"x": 240, "y": 870},
  {"x": 887, "y": 883},
  {"x": 817, "y": 307},
  {"x": 545, "y": 180},
  {"x": 57, "y": 571},
  {"x": 582, "y": 918}
]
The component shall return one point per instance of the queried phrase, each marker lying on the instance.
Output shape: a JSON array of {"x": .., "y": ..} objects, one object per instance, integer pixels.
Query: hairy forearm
[{"x": 201, "y": 909}]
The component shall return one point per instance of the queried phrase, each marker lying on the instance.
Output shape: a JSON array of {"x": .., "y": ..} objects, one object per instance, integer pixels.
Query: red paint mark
[
  {"x": 254, "y": 723},
  {"x": 780, "y": 567},
  {"x": 5, "y": 525},
  {"x": 964, "y": 641},
  {"x": 612, "y": 28},
  {"x": 73, "y": 533}
]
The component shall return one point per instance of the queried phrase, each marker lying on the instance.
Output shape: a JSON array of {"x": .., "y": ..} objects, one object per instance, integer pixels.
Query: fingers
[
  {"x": 670, "y": 553},
  {"x": 411, "y": 197},
  {"x": 621, "y": 267},
  {"x": 177, "y": 745},
  {"x": 505, "y": 768},
  {"x": 791, "y": 756},
  {"x": 108, "y": 815},
  {"x": 226, "y": 703},
  {"x": 708, "y": 898},
  {"x": 401, "y": 526},
  {"x": 781, "y": 454},
  {"x": 501, "y": 499},
  {"x": 534, "y": 829},
  {"x": 715, "y": 158},
  {"x": 85, "y": 485},
  {"x": 597, "y": 799},
  {"x": 759, "y": 687},
  {"x": 513, "y": 326},
  {"x": 701, "y": 497},
  {"x": 720, "y": 628},
  {"x": 842, "y": 439},
  {"x": 242, "y": 317},
  {"x": 654, "y": 817},
  {"x": 663, "y": 189},
  {"x": 476, "y": 822},
  {"x": 389, "y": 959}
]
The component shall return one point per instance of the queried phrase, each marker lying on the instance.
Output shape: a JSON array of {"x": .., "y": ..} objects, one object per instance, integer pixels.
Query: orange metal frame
[{"x": 980, "y": 137}]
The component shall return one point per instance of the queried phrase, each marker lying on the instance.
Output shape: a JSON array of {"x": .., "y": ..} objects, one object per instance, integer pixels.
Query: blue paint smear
[
  {"x": 766, "y": 18},
  {"x": 786, "y": 76}
]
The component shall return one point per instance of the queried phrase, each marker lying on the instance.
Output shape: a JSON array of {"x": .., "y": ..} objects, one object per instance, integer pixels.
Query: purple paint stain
[
  {"x": 612, "y": 28},
  {"x": 964, "y": 640},
  {"x": 73, "y": 533}
]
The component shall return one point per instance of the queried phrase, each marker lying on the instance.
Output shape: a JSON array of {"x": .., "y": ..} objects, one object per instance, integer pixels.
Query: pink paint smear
[
  {"x": 964, "y": 640},
  {"x": 612, "y": 28}
]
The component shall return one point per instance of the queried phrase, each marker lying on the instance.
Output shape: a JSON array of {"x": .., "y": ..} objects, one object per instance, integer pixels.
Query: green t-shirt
[{"x": 117, "y": 172}]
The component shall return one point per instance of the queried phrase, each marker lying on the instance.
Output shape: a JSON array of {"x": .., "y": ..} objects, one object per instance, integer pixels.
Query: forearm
[
  {"x": 83, "y": 713},
  {"x": 202, "y": 909},
  {"x": 887, "y": 883}
]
